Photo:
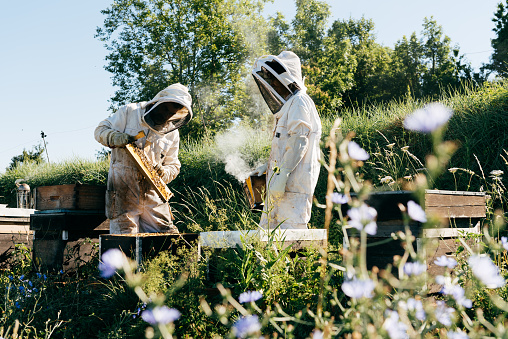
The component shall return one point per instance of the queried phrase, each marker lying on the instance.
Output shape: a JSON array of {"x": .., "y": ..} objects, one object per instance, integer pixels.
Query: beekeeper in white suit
[
  {"x": 293, "y": 167},
  {"x": 132, "y": 205}
]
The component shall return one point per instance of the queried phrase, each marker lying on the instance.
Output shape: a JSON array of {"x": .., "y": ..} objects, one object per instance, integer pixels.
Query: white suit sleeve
[
  {"x": 111, "y": 125},
  {"x": 170, "y": 164}
]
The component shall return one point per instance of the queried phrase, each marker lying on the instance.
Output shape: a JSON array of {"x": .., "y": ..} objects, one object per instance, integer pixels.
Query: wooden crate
[
  {"x": 70, "y": 197},
  {"x": 147, "y": 245},
  {"x": 459, "y": 213}
]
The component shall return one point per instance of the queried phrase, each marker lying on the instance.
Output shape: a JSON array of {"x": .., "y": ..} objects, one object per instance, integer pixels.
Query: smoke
[{"x": 236, "y": 148}]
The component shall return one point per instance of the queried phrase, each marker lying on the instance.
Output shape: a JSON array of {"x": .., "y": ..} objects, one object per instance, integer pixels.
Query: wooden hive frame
[{"x": 145, "y": 166}]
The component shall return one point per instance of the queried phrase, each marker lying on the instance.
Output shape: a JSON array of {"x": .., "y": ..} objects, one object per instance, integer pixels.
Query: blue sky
[{"x": 53, "y": 80}]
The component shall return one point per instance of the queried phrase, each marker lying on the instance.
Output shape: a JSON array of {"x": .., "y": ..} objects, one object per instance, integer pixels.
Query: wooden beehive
[
  {"x": 459, "y": 213},
  {"x": 70, "y": 197}
]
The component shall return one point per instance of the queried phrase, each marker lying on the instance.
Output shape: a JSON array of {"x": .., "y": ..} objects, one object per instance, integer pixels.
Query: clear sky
[{"x": 51, "y": 67}]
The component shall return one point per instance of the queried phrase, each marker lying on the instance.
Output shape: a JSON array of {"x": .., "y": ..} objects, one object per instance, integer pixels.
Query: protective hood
[
  {"x": 284, "y": 68},
  {"x": 174, "y": 93}
]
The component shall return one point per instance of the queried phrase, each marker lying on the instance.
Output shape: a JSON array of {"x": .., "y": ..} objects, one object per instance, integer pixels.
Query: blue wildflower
[
  {"x": 504, "y": 242},
  {"x": 457, "y": 335},
  {"x": 249, "y": 296},
  {"x": 443, "y": 313},
  {"x": 414, "y": 268},
  {"x": 486, "y": 271},
  {"x": 339, "y": 199},
  {"x": 161, "y": 315},
  {"x": 415, "y": 211},
  {"x": 363, "y": 217},
  {"x": 395, "y": 328},
  {"x": 358, "y": 288},
  {"x": 356, "y": 152},
  {"x": 246, "y": 326},
  {"x": 112, "y": 260},
  {"x": 428, "y": 119},
  {"x": 445, "y": 261}
]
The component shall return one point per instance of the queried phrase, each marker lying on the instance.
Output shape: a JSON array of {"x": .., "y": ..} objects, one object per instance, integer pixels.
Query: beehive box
[
  {"x": 57, "y": 236},
  {"x": 70, "y": 197},
  {"x": 459, "y": 212},
  {"x": 147, "y": 245}
]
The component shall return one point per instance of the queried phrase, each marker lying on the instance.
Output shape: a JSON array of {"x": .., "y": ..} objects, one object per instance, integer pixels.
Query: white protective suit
[
  {"x": 132, "y": 205},
  {"x": 295, "y": 146}
]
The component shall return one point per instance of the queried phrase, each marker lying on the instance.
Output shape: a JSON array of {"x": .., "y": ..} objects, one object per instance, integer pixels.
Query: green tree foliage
[
  {"x": 371, "y": 58},
  {"x": 200, "y": 43},
  {"x": 309, "y": 27},
  {"x": 438, "y": 58},
  {"x": 407, "y": 67},
  {"x": 33, "y": 156},
  {"x": 499, "y": 58}
]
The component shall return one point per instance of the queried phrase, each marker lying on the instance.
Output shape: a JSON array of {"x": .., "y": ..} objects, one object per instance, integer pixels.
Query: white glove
[
  {"x": 259, "y": 171},
  {"x": 119, "y": 139},
  {"x": 278, "y": 183}
]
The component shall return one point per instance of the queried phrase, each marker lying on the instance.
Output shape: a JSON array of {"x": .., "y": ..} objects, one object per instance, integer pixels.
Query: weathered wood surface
[
  {"x": 296, "y": 238},
  {"x": 455, "y": 204},
  {"x": 71, "y": 197}
]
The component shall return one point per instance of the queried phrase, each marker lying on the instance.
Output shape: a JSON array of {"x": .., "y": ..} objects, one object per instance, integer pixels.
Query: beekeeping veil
[
  {"x": 284, "y": 69},
  {"x": 176, "y": 93}
]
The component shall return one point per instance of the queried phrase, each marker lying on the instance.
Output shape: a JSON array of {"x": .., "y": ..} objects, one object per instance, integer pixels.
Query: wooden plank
[
  {"x": 72, "y": 197},
  {"x": 14, "y": 229},
  {"x": 458, "y": 211},
  {"x": 449, "y": 232},
  {"x": 10, "y": 220},
  {"x": 453, "y": 200}
]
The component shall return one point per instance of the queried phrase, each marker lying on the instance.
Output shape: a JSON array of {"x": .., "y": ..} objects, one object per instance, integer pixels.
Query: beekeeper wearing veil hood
[
  {"x": 132, "y": 205},
  {"x": 293, "y": 167}
]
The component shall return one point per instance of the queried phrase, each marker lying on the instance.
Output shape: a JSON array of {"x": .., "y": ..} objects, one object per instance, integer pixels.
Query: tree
[
  {"x": 371, "y": 58},
  {"x": 407, "y": 67},
  {"x": 279, "y": 35},
  {"x": 309, "y": 27},
  {"x": 499, "y": 58},
  {"x": 33, "y": 156},
  {"x": 199, "y": 43}
]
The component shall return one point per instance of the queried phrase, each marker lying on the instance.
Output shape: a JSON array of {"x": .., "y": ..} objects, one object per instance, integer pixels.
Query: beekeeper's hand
[
  {"x": 259, "y": 171},
  {"x": 119, "y": 139},
  {"x": 278, "y": 183}
]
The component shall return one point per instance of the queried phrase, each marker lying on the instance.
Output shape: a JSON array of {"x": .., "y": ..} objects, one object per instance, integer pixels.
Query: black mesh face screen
[
  {"x": 274, "y": 64},
  {"x": 271, "y": 100}
]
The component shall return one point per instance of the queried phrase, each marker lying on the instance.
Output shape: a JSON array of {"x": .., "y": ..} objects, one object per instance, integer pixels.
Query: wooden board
[
  {"x": 71, "y": 197},
  {"x": 455, "y": 204}
]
